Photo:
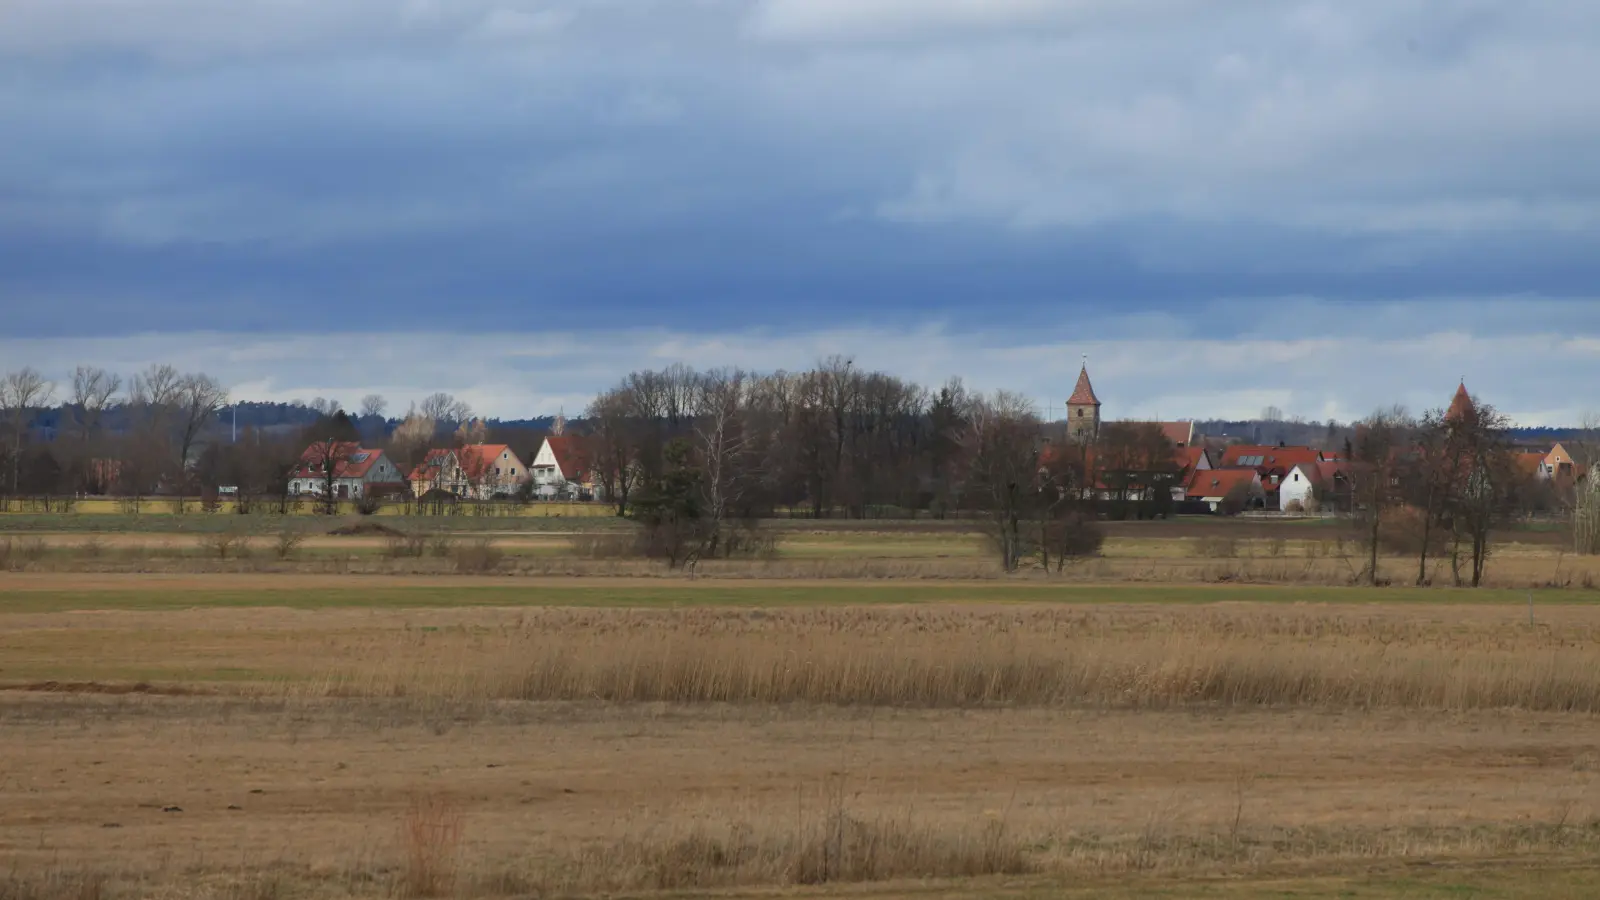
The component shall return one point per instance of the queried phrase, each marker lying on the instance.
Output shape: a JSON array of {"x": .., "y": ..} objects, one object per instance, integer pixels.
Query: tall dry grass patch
[
  {"x": 430, "y": 835},
  {"x": 980, "y": 658}
]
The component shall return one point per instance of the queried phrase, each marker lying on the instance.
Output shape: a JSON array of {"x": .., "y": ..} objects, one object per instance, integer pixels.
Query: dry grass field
[
  {"x": 222, "y": 744},
  {"x": 189, "y": 709},
  {"x": 1180, "y": 552}
]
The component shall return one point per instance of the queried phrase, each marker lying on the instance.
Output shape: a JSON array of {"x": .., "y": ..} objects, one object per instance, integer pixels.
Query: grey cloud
[{"x": 793, "y": 160}]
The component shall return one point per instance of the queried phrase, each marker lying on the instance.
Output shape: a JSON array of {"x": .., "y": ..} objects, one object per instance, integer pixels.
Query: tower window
[{"x": 1080, "y": 413}]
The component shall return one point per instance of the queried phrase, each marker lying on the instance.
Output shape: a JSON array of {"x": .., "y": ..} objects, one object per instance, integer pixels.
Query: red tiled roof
[
  {"x": 1218, "y": 482},
  {"x": 571, "y": 456},
  {"x": 1328, "y": 470},
  {"x": 1528, "y": 462},
  {"x": 477, "y": 459},
  {"x": 1188, "y": 457},
  {"x": 1181, "y": 433},
  {"x": 431, "y": 465},
  {"x": 1084, "y": 392},
  {"x": 1272, "y": 458},
  {"x": 350, "y": 460}
]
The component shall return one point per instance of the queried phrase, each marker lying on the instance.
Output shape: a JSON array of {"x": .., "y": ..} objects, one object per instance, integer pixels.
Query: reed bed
[
  {"x": 835, "y": 847},
  {"x": 955, "y": 658}
]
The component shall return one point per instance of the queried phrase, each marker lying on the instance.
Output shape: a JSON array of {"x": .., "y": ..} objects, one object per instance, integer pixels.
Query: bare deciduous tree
[
  {"x": 21, "y": 392},
  {"x": 1585, "y": 450},
  {"x": 723, "y": 446},
  {"x": 1002, "y": 445},
  {"x": 1485, "y": 497},
  {"x": 1376, "y": 489},
  {"x": 412, "y": 438},
  {"x": 615, "y": 433},
  {"x": 199, "y": 397},
  {"x": 373, "y": 405},
  {"x": 93, "y": 389},
  {"x": 444, "y": 409}
]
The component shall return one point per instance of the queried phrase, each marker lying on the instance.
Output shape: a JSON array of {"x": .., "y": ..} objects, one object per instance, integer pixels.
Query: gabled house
[
  {"x": 1214, "y": 487},
  {"x": 491, "y": 470},
  {"x": 1271, "y": 463},
  {"x": 561, "y": 468},
  {"x": 1556, "y": 464},
  {"x": 356, "y": 471},
  {"x": 438, "y": 471},
  {"x": 1308, "y": 485},
  {"x": 472, "y": 472}
]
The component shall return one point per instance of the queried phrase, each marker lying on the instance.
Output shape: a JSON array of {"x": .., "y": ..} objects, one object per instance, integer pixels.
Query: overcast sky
[{"x": 1323, "y": 206}]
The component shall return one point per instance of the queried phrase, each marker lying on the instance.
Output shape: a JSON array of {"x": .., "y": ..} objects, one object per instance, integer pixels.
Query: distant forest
[{"x": 288, "y": 417}]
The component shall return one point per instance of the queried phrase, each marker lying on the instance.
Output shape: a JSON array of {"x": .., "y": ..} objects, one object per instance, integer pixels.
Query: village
[{"x": 1205, "y": 475}]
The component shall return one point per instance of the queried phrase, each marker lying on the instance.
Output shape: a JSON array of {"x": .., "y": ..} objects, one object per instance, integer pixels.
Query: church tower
[{"x": 1083, "y": 409}]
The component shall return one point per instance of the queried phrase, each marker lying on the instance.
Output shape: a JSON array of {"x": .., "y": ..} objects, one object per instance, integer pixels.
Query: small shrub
[
  {"x": 748, "y": 542},
  {"x": 405, "y": 545},
  {"x": 225, "y": 544},
  {"x": 359, "y": 529},
  {"x": 478, "y": 556},
  {"x": 18, "y": 552},
  {"x": 1400, "y": 534},
  {"x": 607, "y": 545},
  {"x": 1073, "y": 538},
  {"x": 92, "y": 547},
  {"x": 1217, "y": 547},
  {"x": 440, "y": 545},
  {"x": 368, "y": 504},
  {"x": 1276, "y": 546},
  {"x": 289, "y": 540}
]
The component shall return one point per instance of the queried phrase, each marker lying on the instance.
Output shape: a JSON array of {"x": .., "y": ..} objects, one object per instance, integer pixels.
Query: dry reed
[
  {"x": 1009, "y": 657},
  {"x": 430, "y": 836}
]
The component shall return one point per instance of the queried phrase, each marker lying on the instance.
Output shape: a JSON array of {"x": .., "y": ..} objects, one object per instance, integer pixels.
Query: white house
[
  {"x": 560, "y": 469},
  {"x": 357, "y": 471},
  {"x": 1297, "y": 490},
  {"x": 1308, "y": 484}
]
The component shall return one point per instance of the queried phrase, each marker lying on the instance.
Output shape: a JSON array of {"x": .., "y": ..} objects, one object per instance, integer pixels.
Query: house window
[
  {"x": 1297, "y": 476},
  {"x": 1080, "y": 413}
]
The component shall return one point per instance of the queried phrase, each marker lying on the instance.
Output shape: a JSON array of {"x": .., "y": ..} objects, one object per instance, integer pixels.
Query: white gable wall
[
  {"x": 1296, "y": 485},
  {"x": 546, "y": 469}
]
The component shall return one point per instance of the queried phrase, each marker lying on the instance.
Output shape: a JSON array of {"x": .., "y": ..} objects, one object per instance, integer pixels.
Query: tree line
[{"x": 700, "y": 456}]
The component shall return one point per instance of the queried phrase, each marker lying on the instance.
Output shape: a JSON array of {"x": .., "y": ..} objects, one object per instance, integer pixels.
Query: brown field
[
  {"x": 1207, "y": 710},
  {"x": 1229, "y": 749},
  {"x": 1156, "y": 553}
]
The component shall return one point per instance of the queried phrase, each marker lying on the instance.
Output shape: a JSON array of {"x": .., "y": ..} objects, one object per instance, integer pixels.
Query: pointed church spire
[
  {"x": 1461, "y": 405},
  {"x": 1083, "y": 393}
]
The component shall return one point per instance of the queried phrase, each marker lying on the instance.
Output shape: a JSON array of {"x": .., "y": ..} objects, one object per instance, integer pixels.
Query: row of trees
[
  {"x": 698, "y": 455},
  {"x": 167, "y": 412},
  {"x": 1440, "y": 486},
  {"x": 159, "y": 431}
]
